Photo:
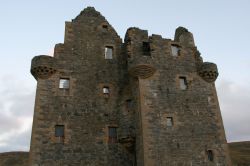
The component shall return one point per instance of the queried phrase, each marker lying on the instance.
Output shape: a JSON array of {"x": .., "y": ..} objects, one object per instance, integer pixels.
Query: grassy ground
[
  {"x": 240, "y": 153},
  {"x": 14, "y": 159}
]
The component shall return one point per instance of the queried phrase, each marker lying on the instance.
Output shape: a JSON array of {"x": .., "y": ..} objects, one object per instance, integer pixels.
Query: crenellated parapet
[
  {"x": 138, "y": 51},
  {"x": 208, "y": 72},
  {"x": 43, "y": 66},
  {"x": 184, "y": 37},
  {"x": 59, "y": 49},
  {"x": 135, "y": 42}
]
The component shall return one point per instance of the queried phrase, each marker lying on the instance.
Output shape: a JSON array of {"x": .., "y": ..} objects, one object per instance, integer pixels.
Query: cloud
[
  {"x": 8, "y": 123},
  {"x": 16, "y": 104},
  {"x": 16, "y": 141},
  {"x": 235, "y": 103}
]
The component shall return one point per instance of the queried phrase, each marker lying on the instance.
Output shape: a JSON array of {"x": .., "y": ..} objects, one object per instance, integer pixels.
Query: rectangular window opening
[
  {"x": 210, "y": 155},
  {"x": 170, "y": 122},
  {"x": 112, "y": 131},
  {"x": 108, "y": 52},
  {"x": 146, "y": 48},
  {"x": 175, "y": 50},
  {"x": 59, "y": 131},
  {"x": 183, "y": 83},
  {"x": 105, "y": 90},
  {"x": 64, "y": 83}
]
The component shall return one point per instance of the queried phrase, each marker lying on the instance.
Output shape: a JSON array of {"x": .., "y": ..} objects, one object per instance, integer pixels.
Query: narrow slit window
[
  {"x": 210, "y": 155},
  {"x": 59, "y": 130},
  {"x": 108, "y": 52},
  {"x": 175, "y": 50},
  {"x": 170, "y": 122},
  {"x": 64, "y": 83},
  {"x": 112, "y": 131},
  {"x": 146, "y": 48},
  {"x": 183, "y": 83}
]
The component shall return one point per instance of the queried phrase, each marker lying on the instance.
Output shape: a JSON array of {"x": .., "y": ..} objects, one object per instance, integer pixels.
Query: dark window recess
[
  {"x": 112, "y": 135},
  {"x": 178, "y": 145},
  {"x": 59, "y": 130},
  {"x": 129, "y": 104},
  {"x": 146, "y": 48},
  {"x": 210, "y": 155},
  {"x": 170, "y": 122},
  {"x": 183, "y": 83},
  {"x": 105, "y": 26}
]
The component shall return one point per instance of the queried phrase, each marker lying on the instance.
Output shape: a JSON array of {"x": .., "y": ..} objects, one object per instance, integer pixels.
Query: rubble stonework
[{"x": 152, "y": 102}]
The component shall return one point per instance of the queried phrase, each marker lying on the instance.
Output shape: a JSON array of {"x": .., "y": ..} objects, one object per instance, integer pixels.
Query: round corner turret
[
  {"x": 208, "y": 71},
  {"x": 42, "y": 66}
]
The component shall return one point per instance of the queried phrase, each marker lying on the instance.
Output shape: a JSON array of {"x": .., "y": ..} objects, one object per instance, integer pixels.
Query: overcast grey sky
[{"x": 28, "y": 28}]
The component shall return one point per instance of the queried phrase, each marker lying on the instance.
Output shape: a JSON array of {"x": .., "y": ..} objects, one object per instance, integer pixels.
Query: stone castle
[{"x": 147, "y": 101}]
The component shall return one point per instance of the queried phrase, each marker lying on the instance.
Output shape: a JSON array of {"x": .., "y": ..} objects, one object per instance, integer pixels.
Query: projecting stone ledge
[{"x": 142, "y": 71}]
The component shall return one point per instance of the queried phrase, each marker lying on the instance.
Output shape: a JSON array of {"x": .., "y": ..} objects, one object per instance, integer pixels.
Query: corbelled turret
[{"x": 43, "y": 66}]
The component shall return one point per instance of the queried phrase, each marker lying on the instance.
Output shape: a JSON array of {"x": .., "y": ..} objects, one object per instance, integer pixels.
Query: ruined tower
[{"x": 147, "y": 101}]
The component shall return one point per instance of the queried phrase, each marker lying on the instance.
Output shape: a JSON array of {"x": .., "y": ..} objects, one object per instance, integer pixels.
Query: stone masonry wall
[
  {"x": 197, "y": 124},
  {"x": 145, "y": 92},
  {"x": 84, "y": 110}
]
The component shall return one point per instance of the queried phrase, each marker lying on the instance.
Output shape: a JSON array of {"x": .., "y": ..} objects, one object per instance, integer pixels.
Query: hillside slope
[
  {"x": 14, "y": 159},
  {"x": 240, "y": 153}
]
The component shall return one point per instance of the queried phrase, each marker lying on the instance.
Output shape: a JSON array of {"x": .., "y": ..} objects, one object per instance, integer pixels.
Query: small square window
[
  {"x": 210, "y": 155},
  {"x": 59, "y": 131},
  {"x": 105, "y": 90},
  {"x": 175, "y": 50},
  {"x": 170, "y": 122},
  {"x": 112, "y": 131},
  {"x": 64, "y": 83},
  {"x": 108, "y": 52},
  {"x": 183, "y": 83}
]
